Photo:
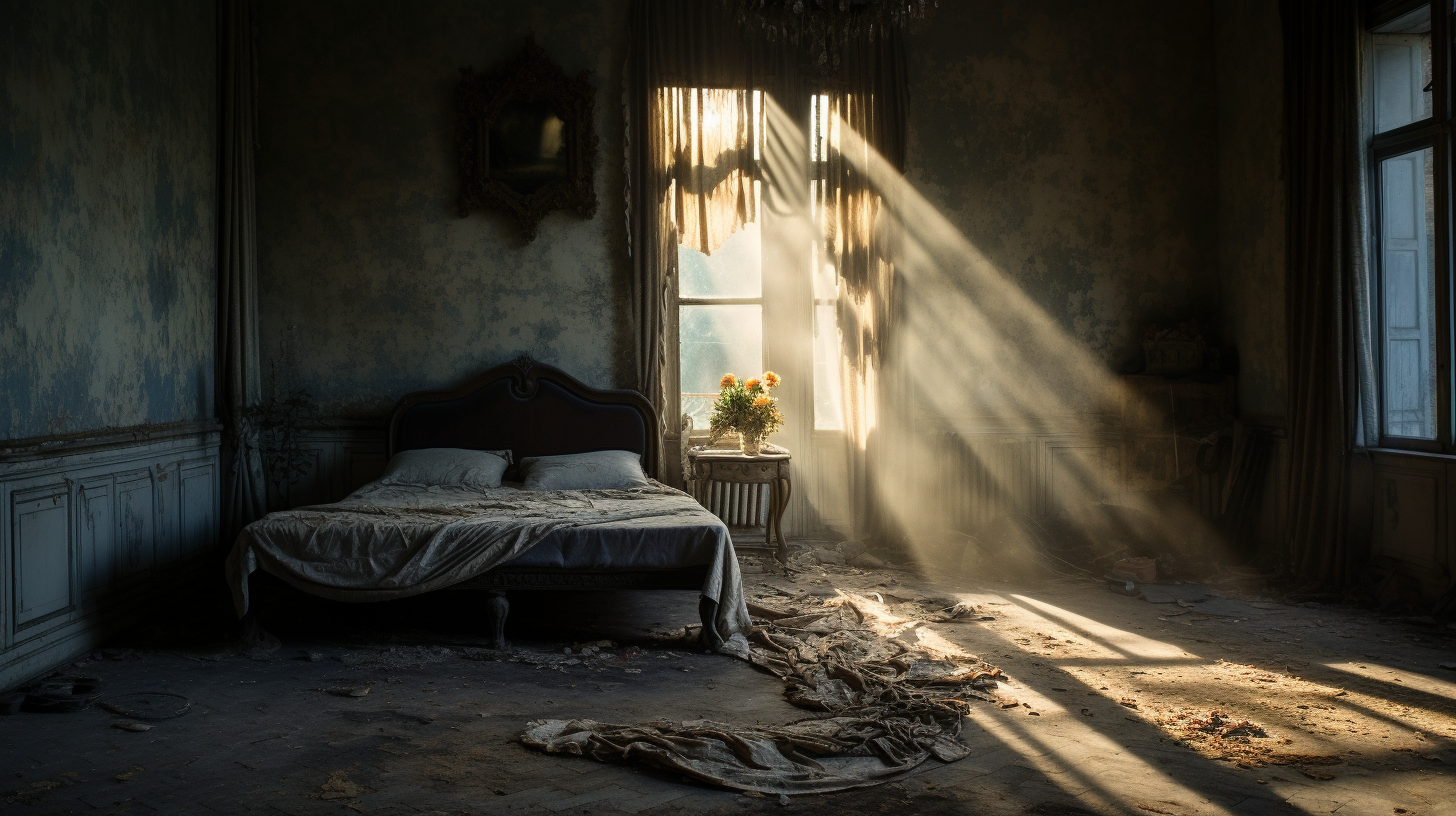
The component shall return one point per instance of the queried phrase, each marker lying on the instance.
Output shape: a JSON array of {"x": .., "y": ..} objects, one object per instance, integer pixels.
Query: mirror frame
[{"x": 530, "y": 76}]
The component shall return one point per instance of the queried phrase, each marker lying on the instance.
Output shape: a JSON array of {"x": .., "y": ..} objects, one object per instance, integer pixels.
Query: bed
[{"x": 390, "y": 541}]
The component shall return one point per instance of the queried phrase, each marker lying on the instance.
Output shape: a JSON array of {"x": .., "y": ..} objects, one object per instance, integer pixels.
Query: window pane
[
  {"x": 716, "y": 340},
  {"x": 734, "y": 271},
  {"x": 1408, "y": 302},
  {"x": 828, "y": 387},
  {"x": 1403, "y": 70}
]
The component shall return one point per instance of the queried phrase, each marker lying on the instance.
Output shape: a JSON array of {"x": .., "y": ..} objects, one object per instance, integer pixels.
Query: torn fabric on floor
[{"x": 887, "y": 705}]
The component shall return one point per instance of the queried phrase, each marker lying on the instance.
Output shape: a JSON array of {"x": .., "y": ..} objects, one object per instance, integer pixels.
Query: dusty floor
[{"x": 1126, "y": 707}]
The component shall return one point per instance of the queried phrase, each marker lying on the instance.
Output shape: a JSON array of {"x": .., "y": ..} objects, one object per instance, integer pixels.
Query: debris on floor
[
  {"x": 338, "y": 786},
  {"x": 131, "y": 725},
  {"x": 154, "y": 705}
]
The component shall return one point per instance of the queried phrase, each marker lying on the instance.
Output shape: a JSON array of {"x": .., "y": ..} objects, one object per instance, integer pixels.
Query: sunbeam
[{"x": 965, "y": 347}]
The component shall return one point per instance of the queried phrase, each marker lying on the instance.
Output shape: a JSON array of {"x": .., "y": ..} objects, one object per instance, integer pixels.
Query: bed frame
[{"x": 535, "y": 409}]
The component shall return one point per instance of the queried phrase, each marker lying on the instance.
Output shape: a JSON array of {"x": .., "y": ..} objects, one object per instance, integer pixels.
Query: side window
[{"x": 1402, "y": 108}]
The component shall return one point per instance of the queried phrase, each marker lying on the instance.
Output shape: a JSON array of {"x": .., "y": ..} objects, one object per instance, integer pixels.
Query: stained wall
[
  {"x": 107, "y": 214},
  {"x": 1074, "y": 144},
  {"x": 371, "y": 285},
  {"x": 1251, "y": 199}
]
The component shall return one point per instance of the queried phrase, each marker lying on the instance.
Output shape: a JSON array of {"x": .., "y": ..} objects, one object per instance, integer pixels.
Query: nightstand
[{"x": 710, "y": 468}]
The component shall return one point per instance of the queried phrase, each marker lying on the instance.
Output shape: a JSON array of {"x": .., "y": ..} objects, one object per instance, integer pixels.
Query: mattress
[{"x": 641, "y": 544}]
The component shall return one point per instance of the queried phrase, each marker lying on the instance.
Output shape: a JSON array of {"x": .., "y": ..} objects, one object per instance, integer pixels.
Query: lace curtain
[{"x": 708, "y": 136}]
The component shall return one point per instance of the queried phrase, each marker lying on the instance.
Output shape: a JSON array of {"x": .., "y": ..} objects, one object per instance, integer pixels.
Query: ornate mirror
[{"x": 527, "y": 142}]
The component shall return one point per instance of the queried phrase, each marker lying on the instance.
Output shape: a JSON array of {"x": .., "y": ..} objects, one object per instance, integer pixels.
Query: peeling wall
[
  {"x": 1074, "y": 144},
  {"x": 107, "y": 214},
  {"x": 1251, "y": 200},
  {"x": 370, "y": 285}
]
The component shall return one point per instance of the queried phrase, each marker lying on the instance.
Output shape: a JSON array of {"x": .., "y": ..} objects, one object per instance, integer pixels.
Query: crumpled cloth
[
  {"x": 887, "y": 707},
  {"x": 394, "y": 541}
]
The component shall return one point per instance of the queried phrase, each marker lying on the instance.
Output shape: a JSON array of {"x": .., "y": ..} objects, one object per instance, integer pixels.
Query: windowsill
[{"x": 1420, "y": 454}]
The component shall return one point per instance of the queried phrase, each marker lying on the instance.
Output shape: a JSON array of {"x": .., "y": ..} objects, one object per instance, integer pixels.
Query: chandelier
[{"x": 822, "y": 26}]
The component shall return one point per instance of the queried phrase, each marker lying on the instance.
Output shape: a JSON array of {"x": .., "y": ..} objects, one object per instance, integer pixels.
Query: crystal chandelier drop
[{"x": 822, "y": 26}]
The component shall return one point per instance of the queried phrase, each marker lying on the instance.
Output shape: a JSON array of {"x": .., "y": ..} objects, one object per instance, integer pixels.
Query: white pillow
[
  {"x": 448, "y": 467},
  {"x": 599, "y": 470}
]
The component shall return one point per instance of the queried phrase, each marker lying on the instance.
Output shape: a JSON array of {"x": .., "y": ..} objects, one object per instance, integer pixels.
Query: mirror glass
[{"x": 526, "y": 146}]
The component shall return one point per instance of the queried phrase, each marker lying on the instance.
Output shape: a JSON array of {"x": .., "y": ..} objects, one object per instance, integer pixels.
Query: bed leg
[
  {"x": 498, "y": 607},
  {"x": 253, "y": 618},
  {"x": 708, "y": 612}
]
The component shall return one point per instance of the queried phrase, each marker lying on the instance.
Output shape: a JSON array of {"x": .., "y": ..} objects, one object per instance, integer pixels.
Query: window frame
[{"x": 1432, "y": 132}]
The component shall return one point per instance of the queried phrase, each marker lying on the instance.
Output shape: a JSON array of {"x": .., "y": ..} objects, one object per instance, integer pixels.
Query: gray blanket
[{"x": 393, "y": 541}]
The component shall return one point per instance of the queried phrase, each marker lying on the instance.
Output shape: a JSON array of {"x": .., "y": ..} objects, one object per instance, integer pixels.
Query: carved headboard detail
[{"x": 531, "y": 408}]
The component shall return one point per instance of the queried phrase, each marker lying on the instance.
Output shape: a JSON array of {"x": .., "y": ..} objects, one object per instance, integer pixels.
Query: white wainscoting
[{"x": 95, "y": 530}]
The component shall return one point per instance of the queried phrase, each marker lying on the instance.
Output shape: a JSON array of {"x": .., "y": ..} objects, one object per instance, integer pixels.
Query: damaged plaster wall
[
  {"x": 370, "y": 285},
  {"x": 107, "y": 214},
  {"x": 1074, "y": 145},
  {"x": 1251, "y": 200}
]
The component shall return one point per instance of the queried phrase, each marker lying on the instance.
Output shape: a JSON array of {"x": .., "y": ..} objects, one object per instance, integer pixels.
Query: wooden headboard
[{"x": 530, "y": 408}]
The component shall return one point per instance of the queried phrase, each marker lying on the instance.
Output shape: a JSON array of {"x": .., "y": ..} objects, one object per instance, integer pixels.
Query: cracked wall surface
[
  {"x": 107, "y": 214},
  {"x": 370, "y": 285},
  {"x": 1075, "y": 145}
]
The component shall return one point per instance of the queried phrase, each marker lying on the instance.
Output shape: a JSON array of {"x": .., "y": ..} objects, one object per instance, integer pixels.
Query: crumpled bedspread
[
  {"x": 887, "y": 707},
  {"x": 393, "y": 541}
]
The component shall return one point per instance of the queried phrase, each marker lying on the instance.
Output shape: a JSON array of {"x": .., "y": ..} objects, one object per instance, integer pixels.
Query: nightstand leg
[{"x": 782, "y": 489}]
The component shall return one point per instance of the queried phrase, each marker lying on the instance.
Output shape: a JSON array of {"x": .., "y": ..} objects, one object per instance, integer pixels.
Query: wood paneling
[
  {"x": 96, "y": 534},
  {"x": 136, "y": 524},
  {"x": 42, "y": 555},
  {"x": 1410, "y": 522},
  {"x": 93, "y": 533}
]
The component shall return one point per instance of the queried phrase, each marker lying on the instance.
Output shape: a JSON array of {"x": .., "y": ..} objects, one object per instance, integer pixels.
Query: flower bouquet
[{"x": 746, "y": 407}]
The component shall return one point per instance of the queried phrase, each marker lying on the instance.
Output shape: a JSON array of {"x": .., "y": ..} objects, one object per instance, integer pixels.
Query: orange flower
[
  {"x": 771, "y": 379},
  {"x": 751, "y": 384},
  {"x": 728, "y": 381},
  {"x": 761, "y": 401}
]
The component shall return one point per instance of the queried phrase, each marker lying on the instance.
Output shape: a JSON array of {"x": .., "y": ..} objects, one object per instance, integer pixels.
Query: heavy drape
[
  {"x": 1325, "y": 274},
  {"x": 238, "y": 386}
]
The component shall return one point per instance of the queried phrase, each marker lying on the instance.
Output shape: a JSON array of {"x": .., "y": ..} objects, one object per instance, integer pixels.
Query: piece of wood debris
[
  {"x": 131, "y": 725},
  {"x": 348, "y": 691}
]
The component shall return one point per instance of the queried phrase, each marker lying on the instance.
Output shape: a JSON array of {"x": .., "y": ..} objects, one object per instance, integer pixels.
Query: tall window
[
  {"x": 1408, "y": 104},
  {"x": 722, "y": 317},
  {"x": 718, "y": 137}
]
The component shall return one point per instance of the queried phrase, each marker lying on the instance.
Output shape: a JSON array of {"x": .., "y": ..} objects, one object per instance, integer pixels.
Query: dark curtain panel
[
  {"x": 238, "y": 387},
  {"x": 1323, "y": 146}
]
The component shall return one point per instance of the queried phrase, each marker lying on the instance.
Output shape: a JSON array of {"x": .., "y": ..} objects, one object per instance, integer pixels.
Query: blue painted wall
[
  {"x": 370, "y": 285},
  {"x": 107, "y": 214}
]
